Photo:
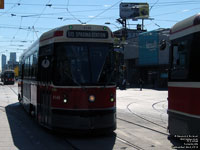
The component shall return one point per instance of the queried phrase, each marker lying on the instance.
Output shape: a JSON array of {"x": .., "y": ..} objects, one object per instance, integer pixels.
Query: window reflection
[{"x": 81, "y": 63}]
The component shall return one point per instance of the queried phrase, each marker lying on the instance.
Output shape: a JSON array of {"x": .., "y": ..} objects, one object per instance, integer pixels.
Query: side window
[
  {"x": 29, "y": 70},
  {"x": 44, "y": 63},
  {"x": 31, "y": 66},
  {"x": 26, "y": 68},
  {"x": 175, "y": 56},
  {"x": 180, "y": 58},
  {"x": 179, "y": 55},
  {"x": 34, "y": 64}
]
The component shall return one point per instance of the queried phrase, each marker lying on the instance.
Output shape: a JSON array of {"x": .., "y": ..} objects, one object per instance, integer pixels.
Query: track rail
[
  {"x": 144, "y": 118},
  {"x": 142, "y": 126},
  {"x": 71, "y": 144},
  {"x": 129, "y": 143},
  {"x": 12, "y": 90},
  {"x": 124, "y": 141}
]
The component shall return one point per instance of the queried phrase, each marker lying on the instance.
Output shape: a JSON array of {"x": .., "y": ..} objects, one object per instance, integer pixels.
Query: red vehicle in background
[
  {"x": 184, "y": 78},
  {"x": 67, "y": 79}
]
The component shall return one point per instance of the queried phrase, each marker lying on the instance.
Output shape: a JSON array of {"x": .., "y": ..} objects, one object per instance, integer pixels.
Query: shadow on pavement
[{"x": 27, "y": 134}]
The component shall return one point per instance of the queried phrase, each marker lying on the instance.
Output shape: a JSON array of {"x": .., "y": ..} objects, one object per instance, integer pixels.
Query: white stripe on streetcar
[
  {"x": 185, "y": 114},
  {"x": 184, "y": 84}
]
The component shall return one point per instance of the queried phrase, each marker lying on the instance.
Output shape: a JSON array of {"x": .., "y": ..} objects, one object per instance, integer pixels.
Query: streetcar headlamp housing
[
  {"x": 112, "y": 98},
  {"x": 91, "y": 98},
  {"x": 65, "y": 99}
]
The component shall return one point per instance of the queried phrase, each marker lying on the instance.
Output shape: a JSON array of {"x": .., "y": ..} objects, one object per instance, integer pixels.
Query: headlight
[
  {"x": 91, "y": 98},
  {"x": 65, "y": 99},
  {"x": 112, "y": 98}
]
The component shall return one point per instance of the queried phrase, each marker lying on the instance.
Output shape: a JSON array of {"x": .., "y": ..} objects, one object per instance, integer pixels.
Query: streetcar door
[{"x": 44, "y": 77}]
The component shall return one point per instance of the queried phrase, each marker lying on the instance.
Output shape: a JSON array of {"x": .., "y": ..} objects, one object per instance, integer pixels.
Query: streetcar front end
[{"x": 77, "y": 63}]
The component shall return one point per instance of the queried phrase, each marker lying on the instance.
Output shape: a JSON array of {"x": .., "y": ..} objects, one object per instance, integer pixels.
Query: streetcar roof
[
  {"x": 57, "y": 35},
  {"x": 8, "y": 71},
  {"x": 74, "y": 27},
  {"x": 185, "y": 27},
  {"x": 60, "y": 34}
]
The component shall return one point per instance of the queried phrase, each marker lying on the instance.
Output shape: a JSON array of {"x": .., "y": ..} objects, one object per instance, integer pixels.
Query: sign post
[{"x": 1, "y": 4}]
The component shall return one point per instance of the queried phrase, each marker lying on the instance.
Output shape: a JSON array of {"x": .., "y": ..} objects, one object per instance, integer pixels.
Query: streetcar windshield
[
  {"x": 81, "y": 63},
  {"x": 9, "y": 75}
]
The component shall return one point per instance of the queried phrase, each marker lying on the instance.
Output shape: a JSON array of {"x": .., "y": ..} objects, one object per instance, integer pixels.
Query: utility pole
[{"x": 123, "y": 43}]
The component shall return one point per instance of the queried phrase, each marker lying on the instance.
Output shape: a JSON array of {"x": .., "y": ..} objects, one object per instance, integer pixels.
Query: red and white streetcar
[
  {"x": 67, "y": 79},
  {"x": 184, "y": 78}
]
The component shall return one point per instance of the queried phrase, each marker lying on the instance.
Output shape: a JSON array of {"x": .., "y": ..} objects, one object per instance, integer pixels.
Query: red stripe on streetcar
[
  {"x": 56, "y": 34},
  {"x": 78, "y": 98},
  {"x": 186, "y": 100},
  {"x": 181, "y": 29}
]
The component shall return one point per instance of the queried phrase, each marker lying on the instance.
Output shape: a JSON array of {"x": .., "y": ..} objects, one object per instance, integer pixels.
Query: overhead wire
[
  {"x": 32, "y": 4},
  {"x": 104, "y": 11},
  {"x": 150, "y": 10},
  {"x": 14, "y": 5},
  {"x": 19, "y": 28},
  {"x": 32, "y": 29},
  {"x": 67, "y": 9},
  {"x": 42, "y": 14},
  {"x": 95, "y": 5},
  {"x": 153, "y": 5}
]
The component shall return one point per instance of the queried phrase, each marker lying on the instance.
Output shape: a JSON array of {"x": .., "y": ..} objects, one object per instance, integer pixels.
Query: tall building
[
  {"x": 3, "y": 62},
  {"x": 13, "y": 57}
]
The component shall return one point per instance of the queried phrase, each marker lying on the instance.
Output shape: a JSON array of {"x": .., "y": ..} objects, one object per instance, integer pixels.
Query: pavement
[{"x": 141, "y": 124}]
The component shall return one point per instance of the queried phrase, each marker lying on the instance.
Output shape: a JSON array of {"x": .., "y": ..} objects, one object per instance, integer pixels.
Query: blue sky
[{"x": 23, "y": 21}]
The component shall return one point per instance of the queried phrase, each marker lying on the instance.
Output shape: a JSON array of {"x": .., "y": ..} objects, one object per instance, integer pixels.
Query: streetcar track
[
  {"x": 118, "y": 138},
  {"x": 160, "y": 111},
  {"x": 71, "y": 144},
  {"x": 153, "y": 106},
  {"x": 142, "y": 126},
  {"x": 143, "y": 117},
  {"x": 128, "y": 143},
  {"x": 2, "y": 108},
  {"x": 13, "y": 90}
]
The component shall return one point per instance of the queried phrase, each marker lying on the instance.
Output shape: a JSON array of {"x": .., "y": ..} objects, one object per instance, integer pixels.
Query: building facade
[
  {"x": 13, "y": 57},
  {"x": 3, "y": 62},
  {"x": 144, "y": 59}
]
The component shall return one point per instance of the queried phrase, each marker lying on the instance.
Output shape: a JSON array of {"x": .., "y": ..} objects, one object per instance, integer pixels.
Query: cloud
[
  {"x": 106, "y": 5},
  {"x": 91, "y": 16},
  {"x": 185, "y": 10}
]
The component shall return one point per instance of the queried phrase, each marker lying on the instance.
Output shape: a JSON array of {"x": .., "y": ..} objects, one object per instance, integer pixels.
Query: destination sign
[{"x": 87, "y": 34}]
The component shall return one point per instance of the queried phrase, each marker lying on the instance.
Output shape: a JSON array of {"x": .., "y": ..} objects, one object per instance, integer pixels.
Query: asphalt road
[{"x": 141, "y": 125}]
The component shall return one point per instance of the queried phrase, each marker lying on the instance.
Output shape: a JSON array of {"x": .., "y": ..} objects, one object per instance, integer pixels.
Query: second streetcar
[
  {"x": 184, "y": 78},
  {"x": 8, "y": 77}
]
